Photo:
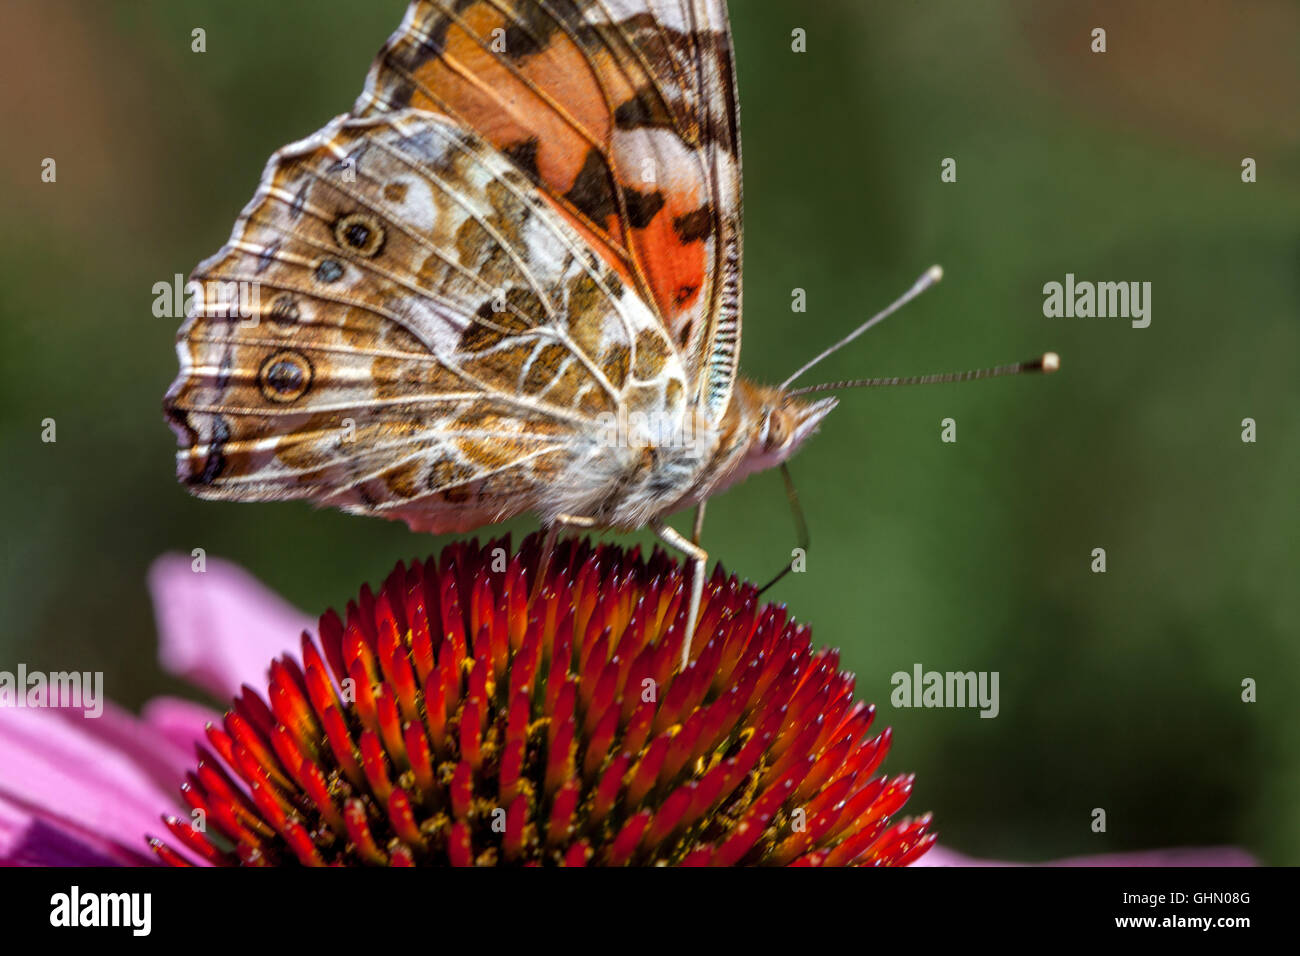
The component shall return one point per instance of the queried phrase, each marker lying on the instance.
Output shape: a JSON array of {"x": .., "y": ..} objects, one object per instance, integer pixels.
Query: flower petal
[
  {"x": 221, "y": 627},
  {"x": 38, "y": 842},
  {"x": 98, "y": 783},
  {"x": 1181, "y": 856},
  {"x": 180, "y": 721}
]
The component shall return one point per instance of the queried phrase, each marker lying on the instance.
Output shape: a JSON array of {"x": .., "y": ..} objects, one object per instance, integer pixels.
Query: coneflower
[{"x": 447, "y": 719}]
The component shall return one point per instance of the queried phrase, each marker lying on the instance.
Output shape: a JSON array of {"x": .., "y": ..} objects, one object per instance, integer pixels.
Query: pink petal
[
  {"x": 40, "y": 842},
  {"x": 220, "y": 628},
  {"x": 942, "y": 856},
  {"x": 104, "y": 781},
  {"x": 181, "y": 722},
  {"x": 1182, "y": 856},
  {"x": 12, "y": 823}
]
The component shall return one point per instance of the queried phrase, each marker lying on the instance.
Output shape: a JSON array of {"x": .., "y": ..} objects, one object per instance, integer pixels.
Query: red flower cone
[{"x": 447, "y": 719}]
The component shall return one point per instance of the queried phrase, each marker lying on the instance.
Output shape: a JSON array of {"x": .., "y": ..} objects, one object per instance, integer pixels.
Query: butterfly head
[
  {"x": 765, "y": 427},
  {"x": 784, "y": 424}
]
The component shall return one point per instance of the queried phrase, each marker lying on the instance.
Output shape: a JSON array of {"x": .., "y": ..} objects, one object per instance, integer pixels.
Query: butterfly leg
[
  {"x": 548, "y": 546},
  {"x": 698, "y": 531},
  {"x": 698, "y": 556}
]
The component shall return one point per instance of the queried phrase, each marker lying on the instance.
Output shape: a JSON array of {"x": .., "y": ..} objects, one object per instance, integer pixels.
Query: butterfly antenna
[
  {"x": 931, "y": 276},
  {"x": 800, "y": 526},
  {"x": 1046, "y": 364}
]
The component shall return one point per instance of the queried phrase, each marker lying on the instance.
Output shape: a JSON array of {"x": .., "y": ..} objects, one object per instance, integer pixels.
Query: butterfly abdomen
[{"x": 634, "y": 471}]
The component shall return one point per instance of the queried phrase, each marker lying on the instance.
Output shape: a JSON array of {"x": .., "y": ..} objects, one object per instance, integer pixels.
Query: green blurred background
[{"x": 1119, "y": 691}]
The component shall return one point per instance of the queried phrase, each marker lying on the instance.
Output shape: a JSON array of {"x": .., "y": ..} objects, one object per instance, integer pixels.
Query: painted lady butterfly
[{"x": 507, "y": 282}]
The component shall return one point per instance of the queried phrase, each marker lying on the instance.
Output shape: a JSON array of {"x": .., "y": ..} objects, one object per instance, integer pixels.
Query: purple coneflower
[
  {"x": 756, "y": 754},
  {"x": 445, "y": 719}
]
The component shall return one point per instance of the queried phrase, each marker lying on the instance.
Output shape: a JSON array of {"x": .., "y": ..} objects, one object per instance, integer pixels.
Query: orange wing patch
[{"x": 623, "y": 124}]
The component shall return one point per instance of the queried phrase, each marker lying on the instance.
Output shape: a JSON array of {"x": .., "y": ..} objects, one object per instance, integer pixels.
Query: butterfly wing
[
  {"x": 624, "y": 115},
  {"x": 429, "y": 339}
]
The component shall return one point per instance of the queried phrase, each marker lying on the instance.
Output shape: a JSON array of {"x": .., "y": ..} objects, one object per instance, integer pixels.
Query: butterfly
[{"x": 508, "y": 281}]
